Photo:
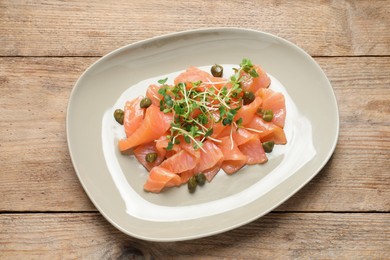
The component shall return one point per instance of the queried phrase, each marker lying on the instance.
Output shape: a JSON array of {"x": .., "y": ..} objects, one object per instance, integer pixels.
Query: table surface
[{"x": 344, "y": 212}]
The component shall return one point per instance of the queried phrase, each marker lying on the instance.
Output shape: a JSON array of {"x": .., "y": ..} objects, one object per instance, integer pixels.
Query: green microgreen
[
  {"x": 198, "y": 106},
  {"x": 162, "y": 81},
  {"x": 239, "y": 122},
  {"x": 170, "y": 145},
  {"x": 247, "y": 66}
]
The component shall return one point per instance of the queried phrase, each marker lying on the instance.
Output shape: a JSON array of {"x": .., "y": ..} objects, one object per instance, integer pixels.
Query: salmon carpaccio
[{"x": 201, "y": 137}]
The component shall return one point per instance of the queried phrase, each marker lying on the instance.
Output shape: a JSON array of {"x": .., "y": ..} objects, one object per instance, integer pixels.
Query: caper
[
  {"x": 145, "y": 103},
  {"x": 268, "y": 146},
  {"x": 119, "y": 115},
  {"x": 200, "y": 179},
  {"x": 217, "y": 70},
  {"x": 151, "y": 157},
  {"x": 192, "y": 184},
  {"x": 248, "y": 97},
  {"x": 268, "y": 115}
]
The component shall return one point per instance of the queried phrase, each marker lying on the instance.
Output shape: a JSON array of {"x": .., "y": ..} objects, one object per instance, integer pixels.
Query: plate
[{"x": 114, "y": 182}]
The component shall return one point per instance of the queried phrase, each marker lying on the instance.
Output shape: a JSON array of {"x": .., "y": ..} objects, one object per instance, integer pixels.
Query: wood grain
[
  {"x": 35, "y": 163},
  {"x": 343, "y": 213},
  {"x": 37, "y": 174},
  {"x": 280, "y": 236},
  {"x": 93, "y": 28}
]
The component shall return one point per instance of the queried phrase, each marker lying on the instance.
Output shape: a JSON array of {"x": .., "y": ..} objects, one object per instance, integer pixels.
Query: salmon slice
[
  {"x": 193, "y": 74},
  {"x": 162, "y": 144},
  {"x": 185, "y": 176},
  {"x": 142, "y": 150},
  {"x": 159, "y": 178},
  {"x": 242, "y": 136},
  {"x": 250, "y": 145},
  {"x": 267, "y": 131},
  {"x": 167, "y": 173},
  {"x": 233, "y": 158},
  {"x": 225, "y": 131},
  {"x": 210, "y": 173},
  {"x": 262, "y": 81},
  {"x": 152, "y": 94},
  {"x": 274, "y": 101},
  {"x": 154, "y": 125},
  {"x": 218, "y": 128},
  {"x": 134, "y": 115},
  {"x": 253, "y": 84},
  {"x": 247, "y": 112},
  {"x": 189, "y": 148},
  {"x": 210, "y": 160},
  {"x": 180, "y": 162},
  {"x": 231, "y": 167},
  {"x": 210, "y": 156},
  {"x": 253, "y": 149}
]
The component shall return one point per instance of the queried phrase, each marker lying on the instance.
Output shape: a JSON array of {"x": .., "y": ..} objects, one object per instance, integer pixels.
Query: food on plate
[{"x": 186, "y": 132}]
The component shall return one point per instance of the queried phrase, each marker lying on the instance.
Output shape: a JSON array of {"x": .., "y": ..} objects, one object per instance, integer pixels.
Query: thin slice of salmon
[
  {"x": 210, "y": 156},
  {"x": 152, "y": 94},
  {"x": 134, "y": 115},
  {"x": 174, "y": 165},
  {"x": 250, "y": 145},
  {"x": 253, "y": 149},
  {"x": 193, "y": 74},
  {"x": 162, "y": 144},
  {"x": 210, "y": 173},
  {"x": 274, "y": 101},
  {"x": 185, "y": 176},
  {"x": 142, "y": 150},
  {"x": 253, "y": 84},
  {"x": 159, "y": 178},
  {"x": 233, "y": 158},
  {"x": 153, "y": 126},
  {"x": 180, "y": 162},
  {"x": 247, "y": 112},
  {"x": 267, "y": 131},
  {"x": 188, "y": 147},
  {"x": 218, "y": 128},
  {"x": 242, "y": 136}
]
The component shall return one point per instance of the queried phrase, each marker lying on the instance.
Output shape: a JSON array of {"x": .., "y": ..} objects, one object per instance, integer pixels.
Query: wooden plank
[
  {"x": 37, "y": 174},
  {"x": 280, "y": 236},
  {"x": 357, "y": 174},
  {"x": 35, "y": 162},
  {"x": 93, "y": 28}
]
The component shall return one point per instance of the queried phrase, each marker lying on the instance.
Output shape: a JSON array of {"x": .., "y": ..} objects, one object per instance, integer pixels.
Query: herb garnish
[{"x": 197, "y": 106}]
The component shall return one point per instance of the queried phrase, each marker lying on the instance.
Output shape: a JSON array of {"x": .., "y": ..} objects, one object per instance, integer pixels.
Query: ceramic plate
[{"x": 114, "y": 182}]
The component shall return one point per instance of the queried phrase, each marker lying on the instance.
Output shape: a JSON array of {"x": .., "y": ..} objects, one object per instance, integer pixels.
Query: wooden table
[{"x": 344, "y": 212}]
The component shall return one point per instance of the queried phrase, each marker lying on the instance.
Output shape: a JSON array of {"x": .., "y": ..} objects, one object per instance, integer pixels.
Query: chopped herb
[
  {"x": 162, "y": 91},
  {"x": 162, "y": 81},
  {"x": 209, "y": 132},
  {"x": 187, "y": 139},
  {"x": 226, "y": 121},
  {"x": 239, "y": 122},
  {"x": 253, "y": 73},
  {"x": 231, "y": 113},
  {"x": 195, "y": 110},
  {"x": 170, "y": 146}
]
